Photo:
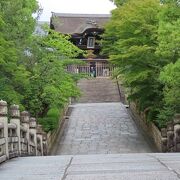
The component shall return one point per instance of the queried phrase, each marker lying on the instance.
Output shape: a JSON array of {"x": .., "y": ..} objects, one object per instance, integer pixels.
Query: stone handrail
[
  {"x": 166, "y": 139},
  {"x": 171, "y": 136},
  {"x": 20, "y": 135}
]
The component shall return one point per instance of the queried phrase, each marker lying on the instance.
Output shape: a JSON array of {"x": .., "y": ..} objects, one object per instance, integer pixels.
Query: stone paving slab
[
  {"x": 101, "y": 128},
  {"x": 126, "y": 176},
  {"x": 113, "y": 158},
  {"x": 123, "y": 167},
  {"x": 114, "y": 167},
  {"x": 94, "y": 167},
  {"x": 34, "y": 168}
]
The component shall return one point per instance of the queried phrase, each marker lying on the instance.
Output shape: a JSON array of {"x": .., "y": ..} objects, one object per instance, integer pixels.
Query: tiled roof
[{"x": 78, "y": 23}]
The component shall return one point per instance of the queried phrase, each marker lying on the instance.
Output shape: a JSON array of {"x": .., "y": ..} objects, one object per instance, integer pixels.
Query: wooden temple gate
[{"x": 95, "y": 69}]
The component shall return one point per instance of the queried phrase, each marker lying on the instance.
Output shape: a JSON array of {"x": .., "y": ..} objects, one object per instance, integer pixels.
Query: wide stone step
[
  {"x": 94, "y": 167},
  {"x": 98, "y": 90}
]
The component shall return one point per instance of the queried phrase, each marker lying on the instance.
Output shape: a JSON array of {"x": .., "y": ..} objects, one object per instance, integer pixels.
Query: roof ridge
[{"x": 81, "y": 15}]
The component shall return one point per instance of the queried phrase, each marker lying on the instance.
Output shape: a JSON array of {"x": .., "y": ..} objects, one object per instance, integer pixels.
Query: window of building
[{"x": 91, "y": 42}]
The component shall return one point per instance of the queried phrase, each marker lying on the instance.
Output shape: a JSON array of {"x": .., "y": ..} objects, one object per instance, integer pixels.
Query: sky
[{"x": 75, "y": 6}]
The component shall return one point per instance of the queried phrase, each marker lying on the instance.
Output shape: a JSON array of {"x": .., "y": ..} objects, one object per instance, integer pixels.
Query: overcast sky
[{"x": 75, "y": 6}]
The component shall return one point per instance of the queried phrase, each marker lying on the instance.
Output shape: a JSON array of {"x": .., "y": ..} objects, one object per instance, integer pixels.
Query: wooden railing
[{"x": 100, "y": 70}]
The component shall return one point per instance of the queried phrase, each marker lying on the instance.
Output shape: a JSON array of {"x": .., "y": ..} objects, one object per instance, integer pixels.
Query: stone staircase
[{"x": 98, "y": 90}]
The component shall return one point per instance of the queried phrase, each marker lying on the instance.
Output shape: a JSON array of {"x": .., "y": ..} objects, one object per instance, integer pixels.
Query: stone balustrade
[
  {"x": 171, "y": 136},
  {"x": 166, "y": 139},
  {"x": 20, "y": 135}
]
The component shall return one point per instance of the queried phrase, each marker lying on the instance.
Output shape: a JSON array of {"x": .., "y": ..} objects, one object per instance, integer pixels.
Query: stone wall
[
  {"x": 20, "y": 135},
  {"x": 149, "y": 128},
  {"x": 52, "y": 136}
]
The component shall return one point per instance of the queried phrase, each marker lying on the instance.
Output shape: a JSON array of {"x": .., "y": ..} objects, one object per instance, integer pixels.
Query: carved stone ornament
[
  {"x": 25, "y": 117},
  {"x": 32, "y": 123},
  {"x": 14, "y": 111},
  {"x": 3, "y": 108}
]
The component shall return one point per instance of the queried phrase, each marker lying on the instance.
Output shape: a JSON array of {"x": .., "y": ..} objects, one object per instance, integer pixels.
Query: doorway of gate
[{"x": 93, "y": 69}]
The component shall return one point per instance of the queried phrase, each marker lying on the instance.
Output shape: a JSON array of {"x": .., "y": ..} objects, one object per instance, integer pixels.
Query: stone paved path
[
  {"x": 94, "y": 167},
  {"x": 101, "y": 128}
]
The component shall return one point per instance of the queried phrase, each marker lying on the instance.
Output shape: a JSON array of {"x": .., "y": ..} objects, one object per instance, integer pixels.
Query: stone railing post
[
  {"x": 25, "y": 123},
  {"x": 4, "y": 121},
  {"x": 70, "y": 100},
  {"x": 32, "y": 130},
  {"x": 164, "y": 140},
  {"x": 40, "y": 140},
  {"x": 45, "y": 146},
  {"x": 15, "y": 119},
  {"x": 177, "y": 132},
  {"x": 170, "y": 137}
]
